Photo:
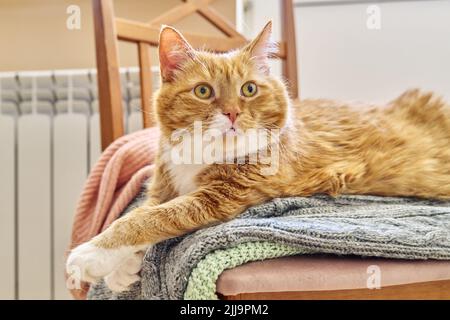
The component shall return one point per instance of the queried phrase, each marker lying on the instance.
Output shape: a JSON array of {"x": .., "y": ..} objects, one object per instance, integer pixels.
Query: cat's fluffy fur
[{"x": 400, "y": 149}]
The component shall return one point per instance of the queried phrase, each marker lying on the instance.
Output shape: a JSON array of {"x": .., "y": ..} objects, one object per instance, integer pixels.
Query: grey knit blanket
[{"x": 348, "y": 225}]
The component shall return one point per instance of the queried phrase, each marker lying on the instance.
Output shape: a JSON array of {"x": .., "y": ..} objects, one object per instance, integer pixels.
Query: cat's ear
[
  {"x": 261, "y": 48},
  {"x": 174, "y": 51}
]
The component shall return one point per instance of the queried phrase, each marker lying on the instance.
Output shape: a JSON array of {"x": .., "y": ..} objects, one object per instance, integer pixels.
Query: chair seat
[{"x": 327, "y": 273}]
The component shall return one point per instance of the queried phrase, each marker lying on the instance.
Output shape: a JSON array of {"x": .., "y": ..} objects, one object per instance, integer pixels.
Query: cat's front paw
[
  {"x": 126, "y": 274},
  {"x": 91, "y": 263}
]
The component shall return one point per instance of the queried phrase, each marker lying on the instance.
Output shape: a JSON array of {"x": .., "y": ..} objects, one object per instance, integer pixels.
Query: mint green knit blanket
[
  {"x": 202, "y": 281},
  {"x": 188, "y": 267}
]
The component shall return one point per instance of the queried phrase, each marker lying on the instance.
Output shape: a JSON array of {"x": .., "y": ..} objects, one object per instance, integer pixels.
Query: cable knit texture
[{"x": 187, "y": 267}]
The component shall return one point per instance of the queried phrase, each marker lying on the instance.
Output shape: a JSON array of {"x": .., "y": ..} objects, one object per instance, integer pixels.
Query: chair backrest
[{"x": 109, "y": 29}]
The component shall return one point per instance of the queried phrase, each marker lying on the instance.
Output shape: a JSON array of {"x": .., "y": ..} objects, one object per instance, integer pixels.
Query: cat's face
[{"x": 228, "y": 92}]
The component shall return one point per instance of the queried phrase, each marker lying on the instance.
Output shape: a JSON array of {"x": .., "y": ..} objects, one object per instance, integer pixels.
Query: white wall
[{"x": 339, "y": 57}]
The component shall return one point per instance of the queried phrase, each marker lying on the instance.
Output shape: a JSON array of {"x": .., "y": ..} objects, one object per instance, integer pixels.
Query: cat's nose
[{"x": 231, "y": 115}]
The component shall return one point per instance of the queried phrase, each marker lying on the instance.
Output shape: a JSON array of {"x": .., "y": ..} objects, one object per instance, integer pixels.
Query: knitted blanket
[{"x": 188, "y": 267}]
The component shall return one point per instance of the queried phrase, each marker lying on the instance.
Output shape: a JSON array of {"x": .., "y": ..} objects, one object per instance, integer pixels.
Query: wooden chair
[
  {"x": 428, "y": 280},
  {"x": 109, "y": 29}
]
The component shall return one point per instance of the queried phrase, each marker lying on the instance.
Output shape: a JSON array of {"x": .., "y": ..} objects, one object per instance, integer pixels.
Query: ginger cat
[{"x": 318, "y": 146}]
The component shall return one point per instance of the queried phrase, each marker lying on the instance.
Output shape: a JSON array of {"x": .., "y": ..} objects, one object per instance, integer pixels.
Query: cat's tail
[{"x": 425, "y": 109}]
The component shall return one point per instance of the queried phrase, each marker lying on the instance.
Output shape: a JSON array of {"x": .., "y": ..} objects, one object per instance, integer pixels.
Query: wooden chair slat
[
  {"x": 175, "y": 14},
  {"x": 132, "y": 31},
  {"x": 220, "y": 22}
]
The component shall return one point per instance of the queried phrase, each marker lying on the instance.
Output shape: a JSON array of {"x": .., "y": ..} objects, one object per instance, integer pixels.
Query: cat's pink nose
[{"x": 232, "y": 116}]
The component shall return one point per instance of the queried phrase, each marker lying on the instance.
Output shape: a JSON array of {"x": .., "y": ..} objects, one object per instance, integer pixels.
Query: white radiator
[{"x": 49, "y": 140}]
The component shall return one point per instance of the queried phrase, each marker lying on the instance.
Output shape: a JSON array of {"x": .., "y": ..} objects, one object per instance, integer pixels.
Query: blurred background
[{"x": 49, "y": 124}]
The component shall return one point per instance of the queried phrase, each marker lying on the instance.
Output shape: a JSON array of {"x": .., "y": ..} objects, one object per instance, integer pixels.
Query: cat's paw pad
[
  {"x": 92, "y": 263},
  {"x": 126, "y": 274}
]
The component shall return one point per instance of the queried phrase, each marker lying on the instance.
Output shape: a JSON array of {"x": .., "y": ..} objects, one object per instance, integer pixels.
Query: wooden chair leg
[{"x": 108, "y": 77}]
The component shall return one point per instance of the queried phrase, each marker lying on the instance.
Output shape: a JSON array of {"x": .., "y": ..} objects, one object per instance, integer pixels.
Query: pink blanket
[{"x": 112, "y": 184}]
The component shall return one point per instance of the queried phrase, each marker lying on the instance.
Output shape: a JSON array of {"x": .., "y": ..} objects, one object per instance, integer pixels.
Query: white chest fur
[{"x": 183, "y": 176}]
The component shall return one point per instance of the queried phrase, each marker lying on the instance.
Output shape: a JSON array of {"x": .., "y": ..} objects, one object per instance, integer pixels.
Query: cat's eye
[
  {"x": 203, "y": 91},
  {"x": 249, "y": 89}
]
